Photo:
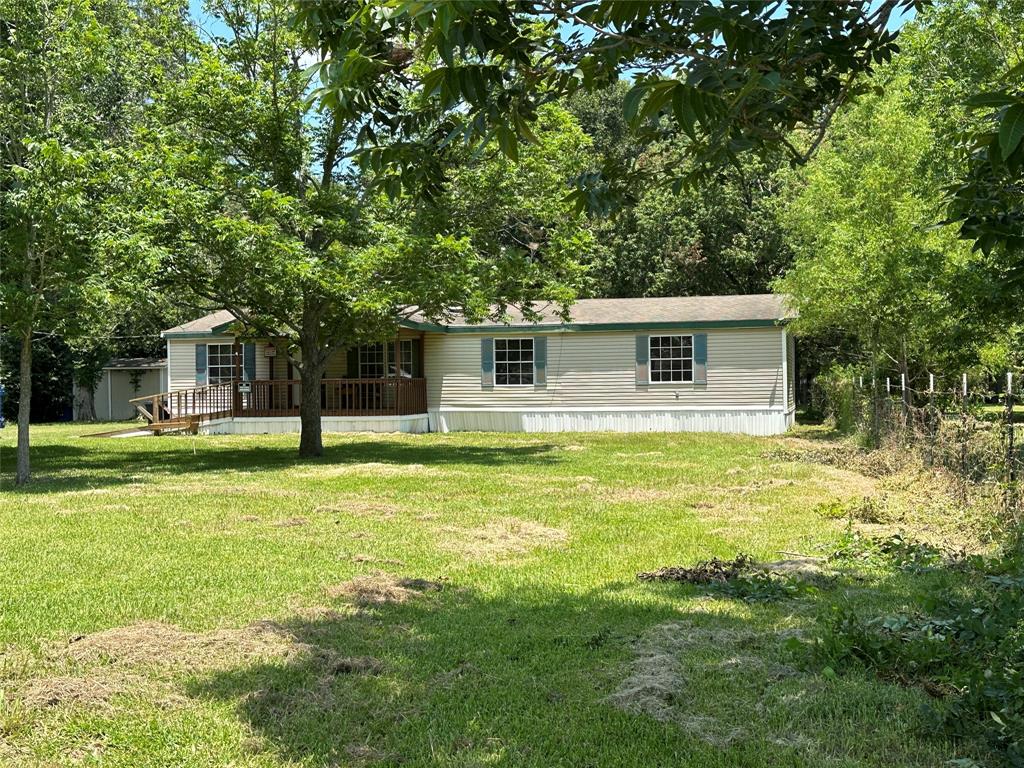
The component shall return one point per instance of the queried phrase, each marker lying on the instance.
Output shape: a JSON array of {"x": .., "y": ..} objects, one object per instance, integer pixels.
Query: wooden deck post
[
  {"x": 395, "y": 398},
  {"x": 236, "y": 395}
]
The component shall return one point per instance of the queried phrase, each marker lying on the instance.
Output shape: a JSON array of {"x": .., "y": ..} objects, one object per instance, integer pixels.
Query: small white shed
[{"x": 124, "y": 378}]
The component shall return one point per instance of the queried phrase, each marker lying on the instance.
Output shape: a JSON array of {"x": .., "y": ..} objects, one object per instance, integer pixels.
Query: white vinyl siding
[
  {"x": 791, "y": 370},
  {"x": 597, "y": 369},
  {"x": 181, "y": 360}
]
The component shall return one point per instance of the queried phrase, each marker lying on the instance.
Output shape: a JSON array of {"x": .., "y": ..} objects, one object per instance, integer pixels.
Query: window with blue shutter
[
  {"x": 487, "y": 362},
  {"x": 642, "y": 358},
  {"x": 700, "y": 358},
  {"x": 200, "y": 364},
  {"x": 249, "y": 362},
  {"x": 540, "y": 361}
]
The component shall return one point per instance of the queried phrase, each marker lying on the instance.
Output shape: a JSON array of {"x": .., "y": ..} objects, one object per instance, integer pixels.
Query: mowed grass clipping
[{"x": 442, "y": 600}]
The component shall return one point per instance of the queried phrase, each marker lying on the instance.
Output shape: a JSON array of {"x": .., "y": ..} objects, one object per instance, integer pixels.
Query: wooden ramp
[{"x": 139, "y": 429}]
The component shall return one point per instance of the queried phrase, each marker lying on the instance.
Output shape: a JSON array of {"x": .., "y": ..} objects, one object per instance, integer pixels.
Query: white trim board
[
  {"x": 764, "y": 421},
  {"x": 612, "y": 409},
  {"x": 263, "y": 425}
]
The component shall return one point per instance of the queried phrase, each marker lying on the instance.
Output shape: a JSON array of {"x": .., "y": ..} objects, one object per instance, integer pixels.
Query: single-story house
[
  {"x": 122, "y": 379},
  {"x": 702, "y": 363}
]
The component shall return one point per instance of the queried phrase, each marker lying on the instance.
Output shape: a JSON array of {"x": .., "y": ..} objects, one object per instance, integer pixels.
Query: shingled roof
[
  {"x": 755, "y": 309},
  {"x": 135, "y": 363},
  {"x": 202, "y": 326},
  {"x": 592, "y": 314}
]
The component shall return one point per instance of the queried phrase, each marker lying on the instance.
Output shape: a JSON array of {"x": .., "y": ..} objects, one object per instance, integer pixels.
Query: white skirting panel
[
  {"x": 247, "y": 425},
  {"x": 742, "y": 421}
]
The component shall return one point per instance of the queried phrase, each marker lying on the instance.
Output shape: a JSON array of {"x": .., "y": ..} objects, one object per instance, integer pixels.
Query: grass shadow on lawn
[
  {"x": 63, "y": 467},
  {"x": 552, "y": 678}
]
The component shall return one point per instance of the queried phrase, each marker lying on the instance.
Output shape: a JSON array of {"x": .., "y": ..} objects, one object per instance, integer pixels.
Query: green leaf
[
  {"x": 631, "y": 103},
  {"x": 507, "y": 142},
  {"x": 995, "y": 99},
  {"x": 1011, "y": 129}
]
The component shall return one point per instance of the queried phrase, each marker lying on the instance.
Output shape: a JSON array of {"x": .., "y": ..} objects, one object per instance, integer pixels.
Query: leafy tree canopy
[
  {"x": 254, "y": 208},
  {"x": 74, "y": 80},
  {"x": 721, "y": 237},
  {"x": 722, "y": 78}
]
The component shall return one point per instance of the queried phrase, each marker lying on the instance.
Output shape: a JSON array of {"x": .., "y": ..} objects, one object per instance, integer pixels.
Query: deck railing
[{"x": 282, "y": 397}]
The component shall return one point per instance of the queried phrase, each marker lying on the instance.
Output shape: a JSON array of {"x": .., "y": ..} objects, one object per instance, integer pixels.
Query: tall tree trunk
[
  {"x": 85, "y": 409},
  {"x": 314, "y": 363},
  {"x": 905, "y": 376},
  {"x": 24, "y": 407},
  {"x": 311, "y": 442},
  {"x": 876, "y": 422}
]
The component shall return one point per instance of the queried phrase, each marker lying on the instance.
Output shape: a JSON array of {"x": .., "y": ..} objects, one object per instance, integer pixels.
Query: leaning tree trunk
[{"x": 24, "y": 408}]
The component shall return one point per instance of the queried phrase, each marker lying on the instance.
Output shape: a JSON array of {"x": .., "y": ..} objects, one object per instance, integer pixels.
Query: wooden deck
[{"x": 282, "y": 397}]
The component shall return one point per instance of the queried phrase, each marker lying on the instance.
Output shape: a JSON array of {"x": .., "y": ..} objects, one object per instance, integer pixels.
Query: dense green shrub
[
  {"x": 838, "y": 397},
  {"x": 967, "y": 652}
]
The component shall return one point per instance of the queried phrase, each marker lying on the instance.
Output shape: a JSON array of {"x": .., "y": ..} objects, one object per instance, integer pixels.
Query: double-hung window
[
  {"x": 371, "y": 361},
  {"x": 671, "y": 359},
  {"x": 220, "y": 363},
  {"x": 513, "y": 362},
  {"x": 378, "y": 360}
]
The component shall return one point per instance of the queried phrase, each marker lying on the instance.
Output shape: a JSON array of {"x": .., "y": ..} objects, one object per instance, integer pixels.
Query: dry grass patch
[
  {"x": 379, "y": 589},
  {"x": 362, "y": 557},
  {"x": 91, "y": 670},
  {"x": 504, "y": 536},
  {"x": 89, "y": 690},
  {"x": 365, "y": 468},
  {"x": 659, "y": 681},
  {"x": 152, "y": 643},
  {"x": 362, "y": 508},
  {"x": 645, "y": 495}
]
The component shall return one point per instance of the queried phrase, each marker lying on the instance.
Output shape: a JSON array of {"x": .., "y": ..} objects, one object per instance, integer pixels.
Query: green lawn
[{"x": 214, "y": 601}]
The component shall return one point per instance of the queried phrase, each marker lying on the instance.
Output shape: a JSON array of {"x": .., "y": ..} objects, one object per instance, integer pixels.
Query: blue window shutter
[
  {"x": 700, "y": 358},
  {"x": 249, "y": 362},
  {"x": 643, "y": 352},
  {"x": 540, "y": 361},
  {"x": 417, "y": 358},
  {"x": 200, "y": 364},
  {"x": 487, "y": 362},
  {"x": 352, "y": 363}
]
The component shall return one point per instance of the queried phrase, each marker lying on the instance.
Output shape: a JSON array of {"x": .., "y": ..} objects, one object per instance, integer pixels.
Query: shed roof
[{"x": 135, "y": 363}]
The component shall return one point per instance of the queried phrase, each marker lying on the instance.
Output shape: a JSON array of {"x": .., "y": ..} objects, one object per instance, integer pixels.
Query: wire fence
[{"x": 966, "y": 429}]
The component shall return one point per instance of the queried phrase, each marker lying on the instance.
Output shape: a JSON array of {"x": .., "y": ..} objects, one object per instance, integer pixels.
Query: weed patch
[{"x": 967, "y": 652}]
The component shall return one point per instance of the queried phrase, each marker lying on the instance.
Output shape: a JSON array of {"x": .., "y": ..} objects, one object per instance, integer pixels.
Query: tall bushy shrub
[{"x": 839, "y": 398}]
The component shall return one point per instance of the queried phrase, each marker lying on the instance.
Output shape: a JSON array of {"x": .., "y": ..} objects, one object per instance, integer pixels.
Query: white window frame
[
  {"x": 230, "y": 366},
  {"x": 682, "y": 358},
  {"x": 387, "y": 353},
  {"x": 363, "y": 361},
  {"x": 405, "y": 349},
  {"x": 533, "y": 360}
]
